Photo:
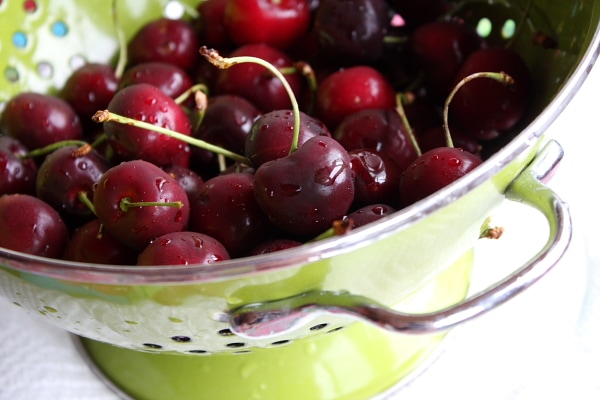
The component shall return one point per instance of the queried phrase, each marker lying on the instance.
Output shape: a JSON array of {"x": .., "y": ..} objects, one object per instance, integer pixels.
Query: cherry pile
[{"x": 369, "y": 129}]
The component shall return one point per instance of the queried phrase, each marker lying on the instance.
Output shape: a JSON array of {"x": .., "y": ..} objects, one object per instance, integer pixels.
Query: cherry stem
[
  {"x": 122, "y": 41},
  {"x": 501, "y": 77},
  {"x": 217, "y": 60},
  {"x": 107, "y": 116},
  {"x": 125, "y": 204},
  {"x": 55, "y": 146},
  {"x": 194, "y": 89},
  {"x": 82, "y": 196},
  {"x": 400, "y": 100}
]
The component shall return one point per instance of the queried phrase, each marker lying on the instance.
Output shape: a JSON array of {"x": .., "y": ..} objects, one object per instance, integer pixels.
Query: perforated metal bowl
[{"x": 283, "y": 325}]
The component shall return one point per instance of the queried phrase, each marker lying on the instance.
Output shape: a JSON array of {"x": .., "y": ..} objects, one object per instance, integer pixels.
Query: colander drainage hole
[
  {"x": 335, "y": 329},
  {"x": 198, "y": 351},
  {"x": 225, "y": 332},
  {"x": 318, "y": 327},
  {"x": 280, "y": 342},
  {"x": 235, "y": 345},
  {"x": 153, "y": 346},
  {"x": 181, "y": 339}
]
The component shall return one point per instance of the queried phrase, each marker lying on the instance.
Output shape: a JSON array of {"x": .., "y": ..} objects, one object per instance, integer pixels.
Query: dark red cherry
[
  {"x": 272, "y": 134},
  {"x": 376, "y": 177},
  {"x": 65, "y": 173},
  {"x": 89, "y": 89},
  {"x": 486, "y": 108},
  {"x": 351, "y": 32},
  {"x": 439, "y": 49},
  {"x": 255, "y": 83},
  {"x": 377, "y": 129},
  {"x": 434, "y": 170},
  {"x": 91, "y": 243},
  {"x": 226, "y": 209},
  {"x": 189, "y": 180},
  {"x": 168, "y": 40},
  {"x": 436, "y": 137},
  {"x": 17, "y": 173},
  {"x": 148, "y": 103},
  {"x": 306, "y": 191},
  {"x": 169, "y": 78},
  {"x": 122, "y": 187},
  {"x": 278, "y": 23},
  {"x": 211, "y": 24},
  {"x": 38, "y": 120},
  {"x": 349, "y": 90},
  {"x": 369, "y": 213},
  {"x": 29, "y": 225},
  {"x": 226, "y": 123},
  {"x": 183, "y": 248}
]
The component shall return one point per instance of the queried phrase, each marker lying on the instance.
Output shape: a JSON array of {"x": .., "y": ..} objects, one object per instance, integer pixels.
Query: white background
[{"x": 545, "y": 343}]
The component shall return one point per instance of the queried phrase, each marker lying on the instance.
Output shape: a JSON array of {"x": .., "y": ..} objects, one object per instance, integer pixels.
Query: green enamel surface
[{"x": 356, "y": 362}]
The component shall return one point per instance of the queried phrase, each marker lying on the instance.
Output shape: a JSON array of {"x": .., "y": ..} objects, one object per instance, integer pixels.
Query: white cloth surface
[{"x": 543, "y": 344}]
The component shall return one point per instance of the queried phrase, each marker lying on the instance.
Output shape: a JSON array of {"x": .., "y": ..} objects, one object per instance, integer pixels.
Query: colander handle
[{"x": 282, "y": 316}]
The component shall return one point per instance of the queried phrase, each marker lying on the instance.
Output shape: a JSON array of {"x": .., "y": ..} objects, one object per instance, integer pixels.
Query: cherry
[
  {"x": 211, "y": 24},
  {"x": 66, "y": 174},
  {"x": 90, "y": 88},
  {"x": 183, "y": 248},
  {"x": 147, "y": 103},
  {"x": 434, "y": 170},
  {"x": 169, "y": 78},
  {"x": 29, "y": 225},
  {"x": 352, "y": 89},
  {"x": 277, "y": 23},
  {"x": 378, "y": 129},
  {"x": 368, "y": 213},
  {"x": 305, "y": 192},
  {"x": 173, "y": 41},
  {"x": 255, "y": 83},
  {"x": 17, "y": 172},
  {"x": 226, "y": 209},
  {"x": 189, "y": 180},
  {"x": 352, "y": 32},
  {"x": 38, "y": 120},
  {"x": 226, "y": 122},
  {"x": 272, "y": 135},
  {"x": 376, "y": 177},
  {"x": 440, "y": 48},
  {"x": 486, "y": 108},
  {"x": 136, "y": 202},
  {"x": 90, "y": 243}
]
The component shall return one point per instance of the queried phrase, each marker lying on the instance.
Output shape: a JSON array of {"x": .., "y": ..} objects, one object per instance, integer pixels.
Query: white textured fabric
[{"x": 543, "y": 344}]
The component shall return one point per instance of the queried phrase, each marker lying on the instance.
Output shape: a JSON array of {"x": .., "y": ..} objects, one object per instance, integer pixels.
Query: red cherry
[
  {"x": 90, "y": 88},
  {"x": 148, "y": 103},
  {"x": 350, "y": 90},
  {"x": 376, "y": 178},
  {"x": 277, "y": 23},
  {"x": 38, "y": 120},
  {"x": 169, "y": 78},
  {"x": 211, "y": 24},
  {"x": 183, "y": 248},
  {"x": 306, "y": 191},
  {"x": 135, "y": 182},
  {"x": 17, "y": 173},
  {"x": 255, "y": 83},
  {"x": 29, "y": 225},
  {"x": 486, "y": 108},
  {"x": 90, "y": 243},
  {"x": 173, "y": 41},
  {"x": 434, "y": 170},
  {"x": 369, "y": 213}
]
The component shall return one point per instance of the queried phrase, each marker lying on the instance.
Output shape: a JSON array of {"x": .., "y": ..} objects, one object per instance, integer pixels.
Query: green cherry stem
[
  {"x": 107, "y": 116},
  {"x": 121, "y": 40},
  {"x": 55, "y": 146},
  {"x": 501, "y": 77},
  {"x": 125, "y": 204},
  {"x": 82, "y": 196},
  {"x": 217, "y": 60},
  {"x": 401, "y": 98}
]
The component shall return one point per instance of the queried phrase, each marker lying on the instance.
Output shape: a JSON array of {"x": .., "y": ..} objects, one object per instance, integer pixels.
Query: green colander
[{"x": 343, "y": 318}]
